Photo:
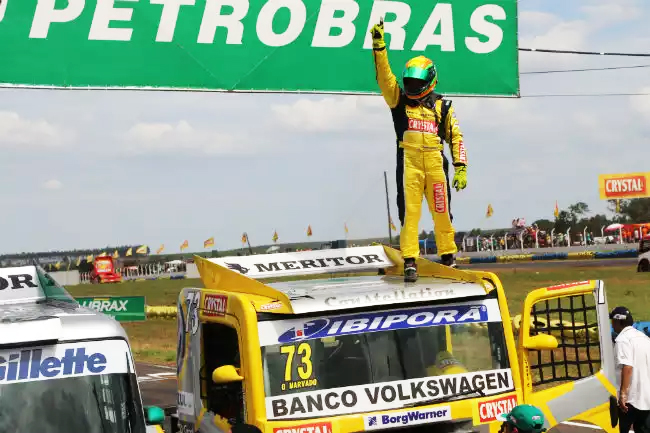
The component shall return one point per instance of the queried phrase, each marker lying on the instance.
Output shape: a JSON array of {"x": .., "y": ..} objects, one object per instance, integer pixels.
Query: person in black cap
[{"x": 632, "y": 352}]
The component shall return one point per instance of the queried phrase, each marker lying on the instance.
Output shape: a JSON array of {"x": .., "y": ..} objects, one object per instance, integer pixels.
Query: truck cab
[
  {"x": 362, "y": 350},
  {"x": 64, "y": 368},
  {"x": 643, "y": 262}
]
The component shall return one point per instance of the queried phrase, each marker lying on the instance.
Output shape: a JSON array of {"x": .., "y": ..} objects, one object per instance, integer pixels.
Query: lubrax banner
[
  {"x": 387, "y": 395},
  {"x": 121, "y": 308},
  {"x": 319, "y": 46}
]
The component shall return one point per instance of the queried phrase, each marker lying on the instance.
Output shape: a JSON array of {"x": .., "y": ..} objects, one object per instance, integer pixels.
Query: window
[
  {"x": 221, "y": 347},
  {"x": 573, "y": 321}
]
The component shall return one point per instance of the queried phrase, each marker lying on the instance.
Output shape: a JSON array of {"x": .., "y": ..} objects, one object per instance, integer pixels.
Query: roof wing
[
  {"x": 30, "y": 284},
  {"x": 240, "y": 273}
]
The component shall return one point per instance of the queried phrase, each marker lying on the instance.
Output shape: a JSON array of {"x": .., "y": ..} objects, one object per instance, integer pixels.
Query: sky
[{"x": 88, "y": 169}]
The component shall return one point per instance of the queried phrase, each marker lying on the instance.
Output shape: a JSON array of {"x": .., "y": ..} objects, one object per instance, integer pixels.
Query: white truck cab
[
  {"x": 643, "y": 262},
  {"x": 63, "y": 367}
]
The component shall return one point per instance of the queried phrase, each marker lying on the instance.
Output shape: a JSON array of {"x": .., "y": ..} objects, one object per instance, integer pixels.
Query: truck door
[{"x": 570, "y": 377}]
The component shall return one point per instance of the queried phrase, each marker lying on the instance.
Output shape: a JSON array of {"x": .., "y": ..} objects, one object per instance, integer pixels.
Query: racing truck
[
  {"x": 268, "y": 345},
  {"x": 63, "y": 367}
]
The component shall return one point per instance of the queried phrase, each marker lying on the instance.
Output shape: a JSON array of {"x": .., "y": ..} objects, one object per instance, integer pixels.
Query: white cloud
[
  {"x": 181, "y": 138},
  {"x": 328, "y": 114},
  {"x": 641, "y": 104},
  {"x": 18, "y": 132},
  {"x": 53, "y": 184}
]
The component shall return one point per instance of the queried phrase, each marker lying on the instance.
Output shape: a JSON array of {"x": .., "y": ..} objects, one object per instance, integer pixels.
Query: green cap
[{"x": 525, "y": 418}]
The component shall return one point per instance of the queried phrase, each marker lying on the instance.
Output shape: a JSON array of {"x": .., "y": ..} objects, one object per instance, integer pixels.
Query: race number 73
[{"x": 305, "y": 368}]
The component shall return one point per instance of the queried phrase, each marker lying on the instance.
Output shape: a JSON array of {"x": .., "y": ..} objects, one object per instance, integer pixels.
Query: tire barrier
[{"x": 582, "y": 255}]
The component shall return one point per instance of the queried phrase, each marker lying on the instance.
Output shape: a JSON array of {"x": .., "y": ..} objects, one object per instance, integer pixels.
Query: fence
[
  {"x": 520, "y": 239},
  {"x": 143, "y": 272}
]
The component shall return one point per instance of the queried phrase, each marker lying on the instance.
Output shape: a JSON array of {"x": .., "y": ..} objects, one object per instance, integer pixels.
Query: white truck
[
  {"x": 643, "y": 262},
  {"x": 63, "y": 367}
]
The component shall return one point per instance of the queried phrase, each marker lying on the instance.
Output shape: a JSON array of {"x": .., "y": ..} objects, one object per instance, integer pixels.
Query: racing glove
[
  {"x": 460, "y": 177},
  {"x": 377, "y": 33}
]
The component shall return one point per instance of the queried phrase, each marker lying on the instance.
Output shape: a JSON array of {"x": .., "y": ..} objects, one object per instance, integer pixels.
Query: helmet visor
[{"x": 417, "y": 80}]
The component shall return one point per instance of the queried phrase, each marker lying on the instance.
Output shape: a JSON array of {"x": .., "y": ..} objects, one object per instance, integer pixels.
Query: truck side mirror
[
  {"x": 226, "y": 374},
  {"x": 154, "y": 415},
  {"x": 541, "y": 342},
  {"x": 244, "y": 428}
]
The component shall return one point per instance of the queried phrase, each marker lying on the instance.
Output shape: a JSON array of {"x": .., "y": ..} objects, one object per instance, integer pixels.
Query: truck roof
[
  {"x": 244, "y": 275},
  {"x": 35, "y": 308}
]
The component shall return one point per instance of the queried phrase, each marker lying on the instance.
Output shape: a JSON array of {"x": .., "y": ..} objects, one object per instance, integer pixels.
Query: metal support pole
[{"x": 390, "y": 231}]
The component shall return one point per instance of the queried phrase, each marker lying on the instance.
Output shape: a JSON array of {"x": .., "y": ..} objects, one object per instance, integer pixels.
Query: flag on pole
[
  {"x": 345, "y": 225},
  {"x": 392, "y": 226},
  {"x": 78, "y": 260},
  {"x": 618, "y": 206},
  {"x": 160, "y": 249},
  {"x": 116, "y": 254},
  {"x": 184, "y": 245},
  {"x": 490, "y": 211},
  {"x": 244, "y": 238},
  {"x": 142, "y": 249},
  {"x": 309, "y": 233},
  {"x": 556, "y": 212},
  {"x": 275, "y": 236},
  {"x": 208, "y": 243}
]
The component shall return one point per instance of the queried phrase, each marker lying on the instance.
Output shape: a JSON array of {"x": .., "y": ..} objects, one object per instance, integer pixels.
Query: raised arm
[{"x": 385, "y": 77}]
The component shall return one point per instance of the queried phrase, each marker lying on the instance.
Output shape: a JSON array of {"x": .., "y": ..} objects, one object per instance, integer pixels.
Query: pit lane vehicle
[
  {"x": 370, "y": 352},
  {"x": 63, "y": 367},
  {"x": 643, "y": 262}
]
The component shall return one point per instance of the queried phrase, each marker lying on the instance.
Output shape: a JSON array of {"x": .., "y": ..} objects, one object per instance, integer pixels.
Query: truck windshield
[
  {"x": 351, "y": 363},
  {"x": 89, "y": 404},
  {"x": 87, "y": 387}
]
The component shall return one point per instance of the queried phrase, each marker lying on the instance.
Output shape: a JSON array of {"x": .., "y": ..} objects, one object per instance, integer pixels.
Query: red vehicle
[{"x": 104, "y": 271}]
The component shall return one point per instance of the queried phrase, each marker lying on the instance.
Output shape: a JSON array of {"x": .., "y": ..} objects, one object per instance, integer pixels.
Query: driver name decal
[{"x": 388, "y": 395}]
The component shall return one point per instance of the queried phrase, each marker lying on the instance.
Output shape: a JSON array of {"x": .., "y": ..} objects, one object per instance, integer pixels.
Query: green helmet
[
  {"x": 525, "y": 418},
  {"x": 419, "y": 77}
]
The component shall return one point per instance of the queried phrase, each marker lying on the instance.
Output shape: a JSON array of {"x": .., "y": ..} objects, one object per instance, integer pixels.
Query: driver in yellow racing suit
[{"x": 421, "y": 164}]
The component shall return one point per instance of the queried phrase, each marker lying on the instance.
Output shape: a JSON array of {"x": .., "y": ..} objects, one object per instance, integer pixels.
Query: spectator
[{"x": 632, "y": 354}]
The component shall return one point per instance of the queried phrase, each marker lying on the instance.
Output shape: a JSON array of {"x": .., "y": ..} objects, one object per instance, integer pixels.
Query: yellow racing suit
[{"x": 421, "y": 164}]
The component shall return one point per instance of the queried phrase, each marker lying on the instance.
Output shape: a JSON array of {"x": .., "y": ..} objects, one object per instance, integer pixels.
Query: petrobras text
[
  {"x": 288, "y": 331},
  {"x": 63, "y": 360},
  {"x": 406, "y": 418},
  {"x": 386, "y": 395}
]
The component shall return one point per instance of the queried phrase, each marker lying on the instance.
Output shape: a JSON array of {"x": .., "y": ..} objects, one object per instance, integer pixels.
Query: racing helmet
[{"x": 419, "y": 77}]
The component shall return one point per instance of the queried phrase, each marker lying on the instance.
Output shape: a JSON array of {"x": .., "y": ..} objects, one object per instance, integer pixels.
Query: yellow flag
[
  {"x": 184, "y": 245},
  {"x": 141, "y": 250},
  {"x": 345, "y": 225},
  {"x": 90, "y": 258},
  {"x": 556, "y": 212},
  {"x": 161, "y": 249},
  {"x": 275, "y": 236},
  {"x": 116, "y": 255},
  {"x": 490, "y": 211},
  {"x": 57, "y": 265},
  {"x": 392, "y": 226},
  {"x": 208, "y": 243},
  {"x": 309, "y": 233},
  {"x": 244, "y": 238},
  {"x": 129, "y": 252}
]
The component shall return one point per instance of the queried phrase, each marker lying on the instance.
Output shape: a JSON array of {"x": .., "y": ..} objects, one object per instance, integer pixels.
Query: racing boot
[
  {"x": 410, "y": 271},
  {"x": 448, "y": 260}
]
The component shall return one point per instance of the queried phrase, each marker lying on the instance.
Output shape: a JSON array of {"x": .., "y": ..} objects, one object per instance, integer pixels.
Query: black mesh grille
[{"x": 573, "y": 321}]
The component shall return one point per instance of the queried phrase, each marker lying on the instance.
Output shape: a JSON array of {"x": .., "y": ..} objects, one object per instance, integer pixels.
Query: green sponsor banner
[
  {"x": 122, "y": 308},
  {"x": 319, "y": 46}
]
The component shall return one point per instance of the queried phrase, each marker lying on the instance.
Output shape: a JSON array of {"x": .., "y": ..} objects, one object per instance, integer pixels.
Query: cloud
[
  {"x": 18, "y": 132},
  {"x": 641, "y": 104},
  {"x": 181, "y": 138},
  {"x": 53, "y": 184},
  {"x": 329, "y": 114}
]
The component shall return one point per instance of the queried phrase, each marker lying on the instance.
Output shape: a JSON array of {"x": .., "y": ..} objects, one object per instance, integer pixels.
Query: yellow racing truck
[{"x": 360, "y": 350}]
